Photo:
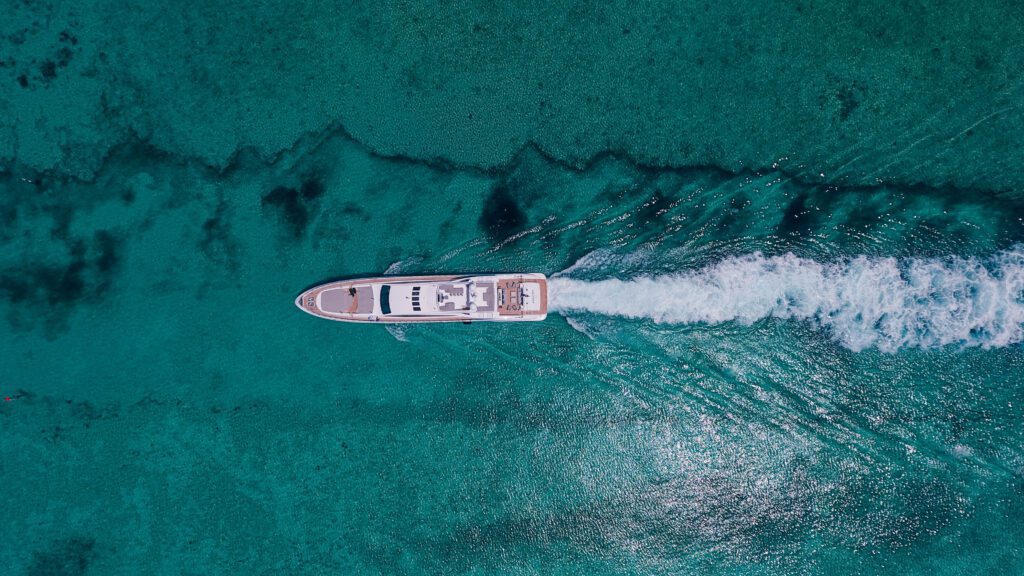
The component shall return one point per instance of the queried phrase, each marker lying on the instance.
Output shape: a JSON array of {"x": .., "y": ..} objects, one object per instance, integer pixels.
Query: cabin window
[{"x": 385, "y": 304}]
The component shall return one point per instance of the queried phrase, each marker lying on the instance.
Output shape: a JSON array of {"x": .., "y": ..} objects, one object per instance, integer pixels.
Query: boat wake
[{"x": 863, "y": 302}]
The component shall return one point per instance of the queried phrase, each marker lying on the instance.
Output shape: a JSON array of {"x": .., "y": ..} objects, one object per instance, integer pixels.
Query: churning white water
[{"x": 886, "y": 303}]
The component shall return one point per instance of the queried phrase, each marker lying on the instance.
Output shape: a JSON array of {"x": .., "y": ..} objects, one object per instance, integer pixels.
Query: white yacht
[{"x": 465, "y": 298}]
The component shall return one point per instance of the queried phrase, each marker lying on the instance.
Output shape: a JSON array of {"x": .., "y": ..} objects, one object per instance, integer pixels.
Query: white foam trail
[
  {"x": 580, "y": 326},
  {"x": 398, "y": 332},
  {"x": 863, "y": 302},
  {"x": 402, "y": 265}
]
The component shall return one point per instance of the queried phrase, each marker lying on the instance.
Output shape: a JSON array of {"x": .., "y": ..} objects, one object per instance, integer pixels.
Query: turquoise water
[{"x": 787, "y": 276}]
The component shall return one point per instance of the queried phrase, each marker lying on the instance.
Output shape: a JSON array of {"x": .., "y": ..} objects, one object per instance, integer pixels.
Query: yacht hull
[{"x": 437, "y": 298}]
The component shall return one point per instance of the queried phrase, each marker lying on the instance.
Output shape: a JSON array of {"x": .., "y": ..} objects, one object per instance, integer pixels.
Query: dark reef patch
[
  {"x": 797, "y": 220},
  {"x": 87, "y": 413},
  {"x": 66, "y": 416},
  {"x": 67, "y": 557},
  {"x": 650, "y": 212},
  {"x": 65, "y": 286},
  {"x": 64, "y": 56},
  {"x": 59, "y": 56},
  {"x": 8, "y": 218},
  {"x": 845, "y": 99},
  {"x": 61, "y": 229},
  {"x": 296, "y": 206},
  {"x": 353, "y": 210},
  {"x": 312, "y": 189},
  {"x": 107, "y": 248},
  {"x": 49, "y": 289},
  {"x": 848, "y": 102},
  {"x": 288, "y": 202},
  {"x": 501, "y": 216},
  {"x": 863, "y": 218},
  {"x": 48, "y": 70},
  {"x": 216, "y": 241},
  {"x": 731, "y": 221}
]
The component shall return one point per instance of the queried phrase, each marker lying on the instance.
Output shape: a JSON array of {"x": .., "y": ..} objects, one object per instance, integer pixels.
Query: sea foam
[{"x": 863, "y": 302}]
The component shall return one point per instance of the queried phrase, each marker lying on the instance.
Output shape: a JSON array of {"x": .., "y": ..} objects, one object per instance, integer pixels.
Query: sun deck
[{"x": 351, "y": 300}]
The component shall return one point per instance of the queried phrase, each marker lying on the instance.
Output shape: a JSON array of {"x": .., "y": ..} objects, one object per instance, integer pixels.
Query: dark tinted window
[{"x": 385, "y": 305}]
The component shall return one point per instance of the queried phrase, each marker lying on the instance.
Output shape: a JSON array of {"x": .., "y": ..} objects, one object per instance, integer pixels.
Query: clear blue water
[{"x": 788, "y": 280}]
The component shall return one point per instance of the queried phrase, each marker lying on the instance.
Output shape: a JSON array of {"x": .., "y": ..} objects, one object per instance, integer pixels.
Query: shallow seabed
[
  {"x": 171, "y": 412},
  {"x": 172, "y": 409}
]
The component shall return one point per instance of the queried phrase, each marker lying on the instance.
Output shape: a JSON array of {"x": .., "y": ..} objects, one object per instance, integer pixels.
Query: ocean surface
[{"x": 786, "y": 242}]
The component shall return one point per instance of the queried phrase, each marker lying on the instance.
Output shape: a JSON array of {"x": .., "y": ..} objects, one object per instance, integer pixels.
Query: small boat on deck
[{"x": 464, "y": 298}]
